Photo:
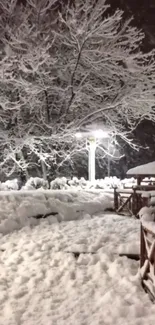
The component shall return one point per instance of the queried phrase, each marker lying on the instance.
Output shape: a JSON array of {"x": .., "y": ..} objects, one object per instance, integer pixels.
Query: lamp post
[
  {"x": 91, "y": 146},
  {"x": 92, "y": 138}
]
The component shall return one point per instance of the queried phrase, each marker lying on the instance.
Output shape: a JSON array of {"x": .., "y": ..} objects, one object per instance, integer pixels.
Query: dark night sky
[{"x": 143, "y": 12}]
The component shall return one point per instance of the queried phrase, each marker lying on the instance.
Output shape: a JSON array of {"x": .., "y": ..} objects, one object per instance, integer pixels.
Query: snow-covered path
[{"x": 41, "y": 283}]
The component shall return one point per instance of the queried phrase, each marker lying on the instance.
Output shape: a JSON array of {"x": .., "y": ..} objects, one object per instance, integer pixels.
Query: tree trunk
[
  {"x": 21, "y": 156},
  {"x": 44, "y": 171}
]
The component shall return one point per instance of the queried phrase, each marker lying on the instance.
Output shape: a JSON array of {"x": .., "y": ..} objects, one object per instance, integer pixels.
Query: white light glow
[
  {"x": 78, "y": 135},
  {"x": 99, "y": 134}
]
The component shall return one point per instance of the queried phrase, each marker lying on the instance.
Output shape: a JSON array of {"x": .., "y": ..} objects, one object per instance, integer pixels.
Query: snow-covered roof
[{"x": 147, "y": 169}]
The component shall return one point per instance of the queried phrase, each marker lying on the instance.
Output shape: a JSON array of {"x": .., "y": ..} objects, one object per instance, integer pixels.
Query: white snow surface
[
  {"x": 146, "y": 169},
  {"x": 41, "y": 282}
]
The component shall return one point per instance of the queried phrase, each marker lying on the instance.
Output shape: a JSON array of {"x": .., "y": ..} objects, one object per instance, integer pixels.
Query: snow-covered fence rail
[
  {"x": 147, "y": 257},
  {"x": 123, "y": 200},
  {"x": 131, "y": 200}
]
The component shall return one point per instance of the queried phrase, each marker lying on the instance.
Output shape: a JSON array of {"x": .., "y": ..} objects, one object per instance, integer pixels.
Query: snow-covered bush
[
  {"x": 62, "y": 183},
  {"x": 10, "y": 185},
  {"x": 128, "y": 182},
  {"x": 106, "y": 183},
  {"x": 81, "y": 183},
  {"x": 59, "y": 184},
  {"x": 35, "y": 183}
]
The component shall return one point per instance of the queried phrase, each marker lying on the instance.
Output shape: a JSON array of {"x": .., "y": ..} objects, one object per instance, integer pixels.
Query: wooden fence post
[
  {"x": 142, "y": 247},
  {"x": 134, "y": 202}
]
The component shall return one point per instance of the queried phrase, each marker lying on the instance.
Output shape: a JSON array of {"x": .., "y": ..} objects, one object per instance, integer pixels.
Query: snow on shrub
[
  {"x": 10, "y": 185},
  {"x": 62, "y": 183},
  {"x": 59, "y": 184},
  {"x": 75, "y": 183},
  {"x": 35, "y": 183}
]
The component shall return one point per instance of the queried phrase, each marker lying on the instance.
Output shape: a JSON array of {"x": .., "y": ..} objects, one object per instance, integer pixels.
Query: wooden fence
[
  {"x": 131, "y": 200},
  {"x": 147, "y": 259}
]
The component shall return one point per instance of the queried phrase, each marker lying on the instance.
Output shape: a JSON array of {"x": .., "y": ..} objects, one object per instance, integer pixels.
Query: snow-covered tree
[{"x": 62, "y": 68}]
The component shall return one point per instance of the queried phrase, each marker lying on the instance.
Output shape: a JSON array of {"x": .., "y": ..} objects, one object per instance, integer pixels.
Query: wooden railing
[
  {"x": 147, "y": 259},
  {"x": 130, "y": 201}
]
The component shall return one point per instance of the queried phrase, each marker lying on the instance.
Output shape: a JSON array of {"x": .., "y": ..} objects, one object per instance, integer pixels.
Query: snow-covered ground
[{"x": 41, "y": 282}]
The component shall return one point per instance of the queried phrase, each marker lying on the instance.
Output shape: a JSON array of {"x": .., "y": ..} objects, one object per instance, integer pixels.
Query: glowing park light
[
  {"x": 78, "y": 135},
  {"x": 91, "y": 143},
  {"x": 99, "y": 134}
]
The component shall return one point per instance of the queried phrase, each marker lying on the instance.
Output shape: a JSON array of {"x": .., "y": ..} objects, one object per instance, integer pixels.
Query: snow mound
[
  {"x": 26, "y": 208},
  {"x": 147, "y": 214}
]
